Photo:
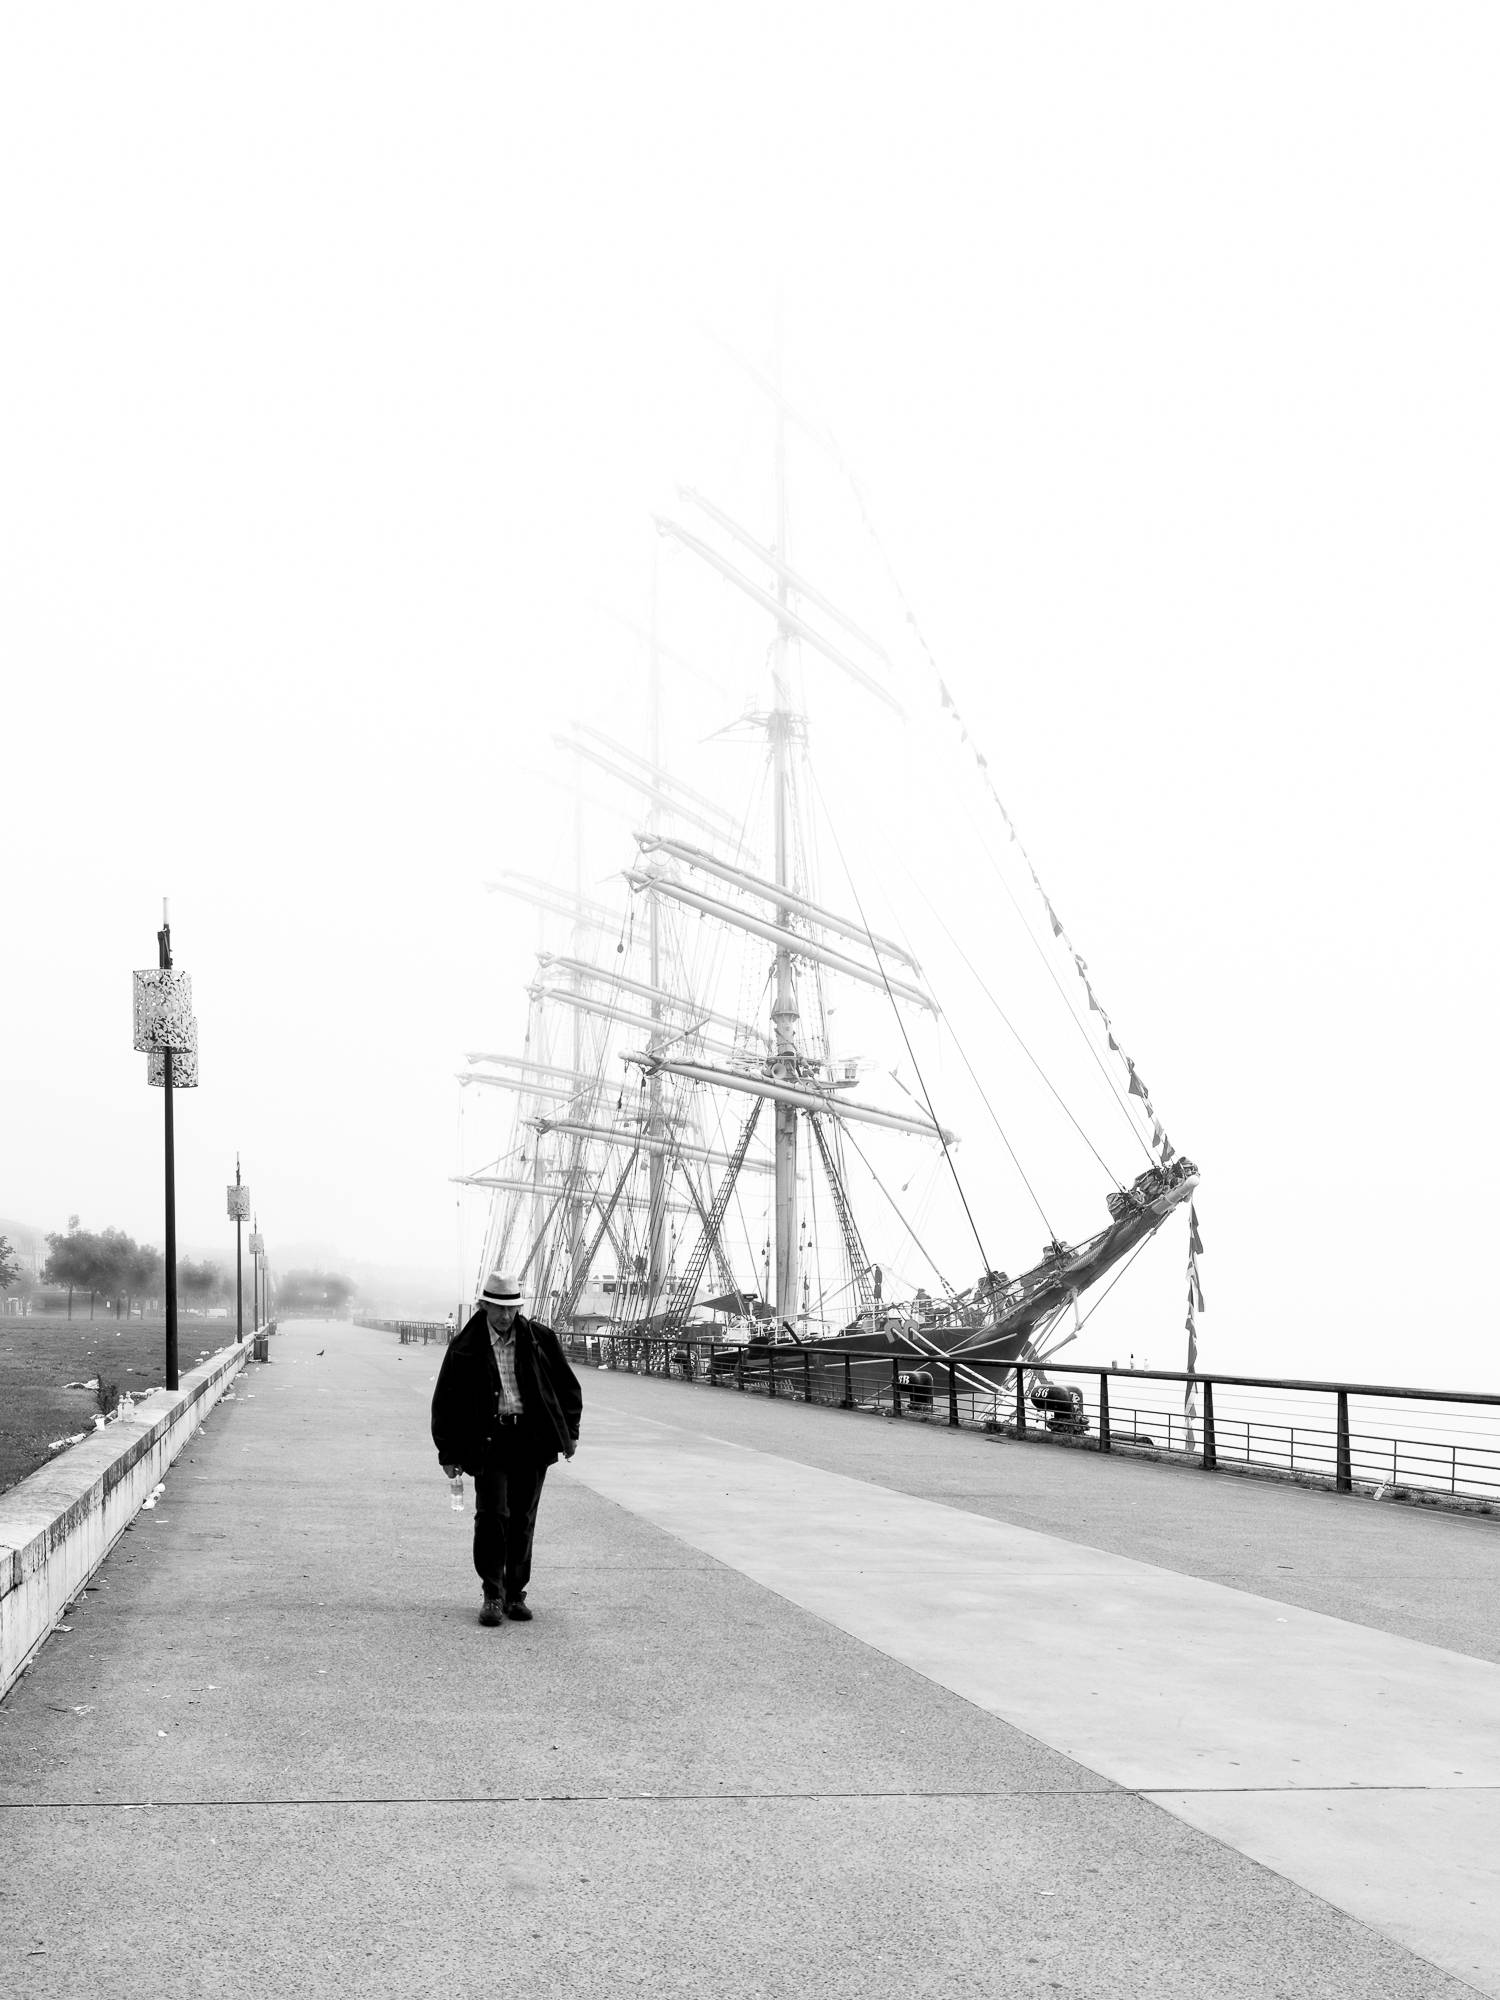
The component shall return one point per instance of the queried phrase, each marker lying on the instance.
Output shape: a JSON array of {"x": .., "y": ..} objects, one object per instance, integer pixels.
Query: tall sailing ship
[{"x": 705, "y": 1130}]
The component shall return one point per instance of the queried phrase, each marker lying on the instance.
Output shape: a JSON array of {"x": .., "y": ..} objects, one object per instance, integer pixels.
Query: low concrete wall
[{"x": 58, "y": 1526}]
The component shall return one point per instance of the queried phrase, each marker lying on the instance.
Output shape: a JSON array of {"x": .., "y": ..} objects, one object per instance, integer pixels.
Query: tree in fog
[
  {"x": 200, "y": 1282},
  {"x": 78, "y": 1260},
  {"x": 117, "y": 1255},
  {"x": 314, "y": 1292},
  {"x": 145, "y": 1276}
]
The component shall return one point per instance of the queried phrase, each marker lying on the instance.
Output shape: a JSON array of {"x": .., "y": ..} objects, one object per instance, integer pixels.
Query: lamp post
[
  {"x": 257, "y": 1253},
  {"x": 166, "y": 1032},
  {"x": 239, "y": 1208}
]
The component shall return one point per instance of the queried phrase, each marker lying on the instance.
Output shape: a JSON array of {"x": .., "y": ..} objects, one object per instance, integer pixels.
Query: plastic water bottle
[{"x": 456, "y": 1489}]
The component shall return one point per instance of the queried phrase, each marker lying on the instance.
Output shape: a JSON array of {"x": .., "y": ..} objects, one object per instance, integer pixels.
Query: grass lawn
[{"x": 41, "y": 1355}]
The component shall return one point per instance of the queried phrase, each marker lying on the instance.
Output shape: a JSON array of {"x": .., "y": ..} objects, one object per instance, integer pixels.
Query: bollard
[{"x": 1103, "y": 1409}]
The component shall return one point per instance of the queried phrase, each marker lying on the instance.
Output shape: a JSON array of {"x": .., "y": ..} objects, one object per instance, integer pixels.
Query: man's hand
[
  {"x": 452, "y": 1471},
  {"x": 571, "y": 1449}
]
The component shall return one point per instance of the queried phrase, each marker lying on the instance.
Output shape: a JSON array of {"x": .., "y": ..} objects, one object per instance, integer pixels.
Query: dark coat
[{"x": 464, "y": 1426}]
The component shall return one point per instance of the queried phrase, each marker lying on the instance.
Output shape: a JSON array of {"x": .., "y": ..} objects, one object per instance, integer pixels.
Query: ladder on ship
[{"x": 709, "y": 1241}]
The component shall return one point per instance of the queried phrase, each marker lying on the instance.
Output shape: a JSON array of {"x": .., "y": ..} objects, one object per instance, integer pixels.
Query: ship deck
[{"x": 813, "y": 1701}]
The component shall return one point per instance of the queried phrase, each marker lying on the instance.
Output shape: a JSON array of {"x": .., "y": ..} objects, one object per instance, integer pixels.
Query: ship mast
[
  {"x": 656, "y": 1213},
  {"x": 577, "y": 1206},
  {"x": 784, "y": 998}
]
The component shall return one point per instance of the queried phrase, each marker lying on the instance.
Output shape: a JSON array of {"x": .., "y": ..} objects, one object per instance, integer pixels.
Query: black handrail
[
  {"x": 771, "y": 1360},
  {"x": 917, "y": 1357}
]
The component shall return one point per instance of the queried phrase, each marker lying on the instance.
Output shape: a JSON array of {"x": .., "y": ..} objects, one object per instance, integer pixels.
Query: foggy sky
[{"x": 347, "y": 353}]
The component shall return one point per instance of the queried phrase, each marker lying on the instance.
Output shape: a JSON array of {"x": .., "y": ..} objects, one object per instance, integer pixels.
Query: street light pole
[
  {"x": 166, "y": 1033},
  {"x": 258, "y": 1268},
  {"x": 238, "y": 1207},
  {"x": 164, "y": 953}
]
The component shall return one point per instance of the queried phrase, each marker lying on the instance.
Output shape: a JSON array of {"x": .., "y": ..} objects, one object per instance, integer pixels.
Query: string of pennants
[
  {"x": 1195, "y": 1303},
  {"x": 1136, "y": 1087}
]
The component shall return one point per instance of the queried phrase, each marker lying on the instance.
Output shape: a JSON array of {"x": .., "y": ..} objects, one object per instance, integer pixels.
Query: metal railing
[
  {"x": 1380, "y": 1436},
  {"x": 410, "y": 1330}
]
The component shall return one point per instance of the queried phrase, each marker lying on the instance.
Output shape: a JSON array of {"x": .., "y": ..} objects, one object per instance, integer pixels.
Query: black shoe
[
  {"x": 517, "y": 1608},
  {"x": 489, "y": 1611}
]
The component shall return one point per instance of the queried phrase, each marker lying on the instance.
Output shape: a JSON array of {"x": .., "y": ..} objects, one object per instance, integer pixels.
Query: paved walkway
[{"x": 812, "y": 1702}]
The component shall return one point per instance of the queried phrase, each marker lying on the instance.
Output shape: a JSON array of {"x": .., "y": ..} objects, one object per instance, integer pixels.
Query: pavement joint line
[
  {"x": 554, "y": 1798},
  {"x": 1349, "y": 1791},
  {"x": 1148, "y": 1794}
]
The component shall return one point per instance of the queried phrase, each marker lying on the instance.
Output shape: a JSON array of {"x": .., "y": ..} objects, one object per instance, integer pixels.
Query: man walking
[{"x": 505, "y": 1407}]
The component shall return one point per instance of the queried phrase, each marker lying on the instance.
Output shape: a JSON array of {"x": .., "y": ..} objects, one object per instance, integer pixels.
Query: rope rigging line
[
  {"x": 1074, "y": 1016},
  {"x": 906, "y": 1038},
  {"x": 673, "y": 1162},
  {"x": 1016, "y": 1033},
  {"x": 994, "y": 1115},
  {"x": 855, "y": 1253},
  {"x": 900, "y": 1216},
  {"x": 1083, "y": 1322},
  {"x": 817, "y": 1249},
  {"x": 831, "y": 445},
  {"x": 579, "y": 1187}
]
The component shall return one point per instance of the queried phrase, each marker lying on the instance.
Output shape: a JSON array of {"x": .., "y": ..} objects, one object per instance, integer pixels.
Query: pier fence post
[
  {"x": 952, "y": 1396},
  {"x": 1343, "y": 1479},
  {"x": 1020, "y": 1398},
  {"x": 848, "y": 1402},
  {"x": 1104, "y": 1409},
  {"x": 1210, "y": 1442},
  {"x": 895, "y": 1387}
]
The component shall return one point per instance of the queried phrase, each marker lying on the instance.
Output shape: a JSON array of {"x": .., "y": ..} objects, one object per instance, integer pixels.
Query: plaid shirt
[{"x": 503, "y": 1346}]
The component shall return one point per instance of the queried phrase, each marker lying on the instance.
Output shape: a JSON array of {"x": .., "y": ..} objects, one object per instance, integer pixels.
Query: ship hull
[{"x": 1001, "y": 1337}]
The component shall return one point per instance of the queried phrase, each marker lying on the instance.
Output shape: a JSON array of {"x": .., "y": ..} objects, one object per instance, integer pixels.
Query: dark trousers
[{"x": 505, "y": 1503}]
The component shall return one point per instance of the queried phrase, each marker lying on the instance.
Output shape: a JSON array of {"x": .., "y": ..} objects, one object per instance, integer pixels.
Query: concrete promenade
[{"x": 813, "y": 1703}]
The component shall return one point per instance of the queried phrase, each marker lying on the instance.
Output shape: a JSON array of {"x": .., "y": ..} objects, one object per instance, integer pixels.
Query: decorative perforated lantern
[
  {"x": 164, "y": 1012},
  {"x": 239, "y": 1205},
  {"x": 257, "y": 1244},
  {"x": 183, "y": 1058}
]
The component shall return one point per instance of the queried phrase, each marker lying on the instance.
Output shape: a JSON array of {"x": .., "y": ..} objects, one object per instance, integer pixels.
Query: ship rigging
[{"x": 686, "y": 1129}]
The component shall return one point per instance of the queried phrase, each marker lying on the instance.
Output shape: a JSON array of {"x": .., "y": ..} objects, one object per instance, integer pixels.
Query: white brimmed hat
[{"x": 500, "y": 1290}]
